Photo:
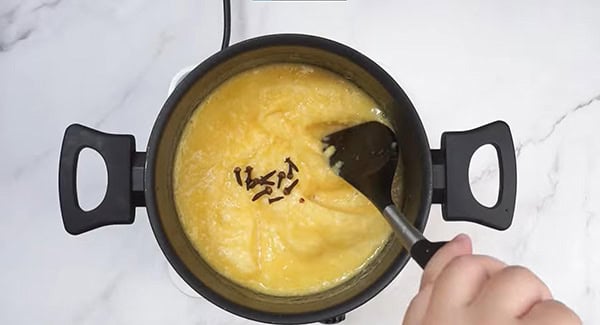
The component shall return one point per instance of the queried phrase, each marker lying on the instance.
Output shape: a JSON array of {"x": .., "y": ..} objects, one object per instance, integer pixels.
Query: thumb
[{"x": 460, "y": 245}]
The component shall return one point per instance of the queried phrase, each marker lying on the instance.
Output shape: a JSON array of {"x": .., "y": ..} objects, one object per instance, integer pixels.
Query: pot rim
[{"x": 186, "y": 83}]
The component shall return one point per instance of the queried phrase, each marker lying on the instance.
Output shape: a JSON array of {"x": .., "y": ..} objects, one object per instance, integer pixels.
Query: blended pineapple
[{"x": 316, "y": 237}]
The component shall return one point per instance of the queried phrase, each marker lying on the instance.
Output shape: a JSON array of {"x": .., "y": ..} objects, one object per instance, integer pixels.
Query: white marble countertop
[{"x": 108, "y": 64}]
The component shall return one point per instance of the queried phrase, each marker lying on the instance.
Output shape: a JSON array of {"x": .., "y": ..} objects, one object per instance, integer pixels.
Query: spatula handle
[{"x": 423, "y": 250}]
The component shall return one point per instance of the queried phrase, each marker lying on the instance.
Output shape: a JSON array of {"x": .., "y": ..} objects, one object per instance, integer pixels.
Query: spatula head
[{"x": 366, "y": 156}]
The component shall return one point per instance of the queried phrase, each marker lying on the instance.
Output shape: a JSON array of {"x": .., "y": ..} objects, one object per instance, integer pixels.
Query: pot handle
[
  {"x": 451, "y": 176},
  {"x": 124, "y": 190}
]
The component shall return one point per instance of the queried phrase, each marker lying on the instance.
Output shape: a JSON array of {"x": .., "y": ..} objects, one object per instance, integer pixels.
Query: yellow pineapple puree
[{"x": 316, "y": 237}]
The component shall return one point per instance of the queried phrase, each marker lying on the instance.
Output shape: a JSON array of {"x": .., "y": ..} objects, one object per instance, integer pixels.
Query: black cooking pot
[{"x": 137, "y": 179}]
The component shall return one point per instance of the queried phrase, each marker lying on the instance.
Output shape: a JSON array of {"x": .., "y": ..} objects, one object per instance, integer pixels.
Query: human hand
[{"x": 459, "y": 288}]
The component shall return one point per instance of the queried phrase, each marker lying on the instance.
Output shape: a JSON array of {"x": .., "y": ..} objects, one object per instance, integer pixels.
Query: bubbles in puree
[{"x": 311, "y": 230}]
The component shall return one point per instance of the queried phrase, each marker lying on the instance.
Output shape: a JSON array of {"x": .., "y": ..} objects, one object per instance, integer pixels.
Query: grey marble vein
[
  {"x": 10, "y": 17},
  {"x": 33, "y": 162},
  {"x": 555, "y": 125},
  {"x": 6, "y": 45},
  {"x": 131, "y": 87},
  {"x": 134, "y": 83},
  {"x": 97, "y": 301},
  {"x": 588, "y": 203},
  {"x": 523, "y": 242},
  {"x": 48, "y": 5},
  {"x": 553, "y": 179},
  {"x": 488, "y": 171},
  {"x": 164, "y": 39},
  {"x": 589, "y": 216},
  {"x": 491, "y": 169}
]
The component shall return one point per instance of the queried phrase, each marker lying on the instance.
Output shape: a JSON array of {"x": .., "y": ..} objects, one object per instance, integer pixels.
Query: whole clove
[
  {"x": 291, "y": 168},
  {"x": 248, "y": 176},
  {"x": 288, "y": 190},
  {"x": 264, "y": 180},
  {"x": 280, "y": 178},
  {"x": 291, "y": 163},
  {"x": 238, "y": 177},
  {"x": 275, "y": 199},
  {"x": 267, "y": 191},
  {"x": 252, "y": 183}
]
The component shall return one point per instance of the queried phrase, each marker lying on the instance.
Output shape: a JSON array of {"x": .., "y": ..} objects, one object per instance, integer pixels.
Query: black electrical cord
[{"x": 226, "y": 23}]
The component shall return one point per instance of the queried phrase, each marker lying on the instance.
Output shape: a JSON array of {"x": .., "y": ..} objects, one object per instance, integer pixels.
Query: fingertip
[
  {"x": 458, "y": 246},
  {"x": 464, "y": 241}
]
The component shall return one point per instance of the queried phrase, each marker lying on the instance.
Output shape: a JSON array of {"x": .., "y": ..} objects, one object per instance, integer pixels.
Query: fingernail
[{"x": 461, "y": 238}]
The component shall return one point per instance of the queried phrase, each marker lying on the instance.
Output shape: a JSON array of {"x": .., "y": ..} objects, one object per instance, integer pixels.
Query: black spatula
[{"x": 366, "y": 156}]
